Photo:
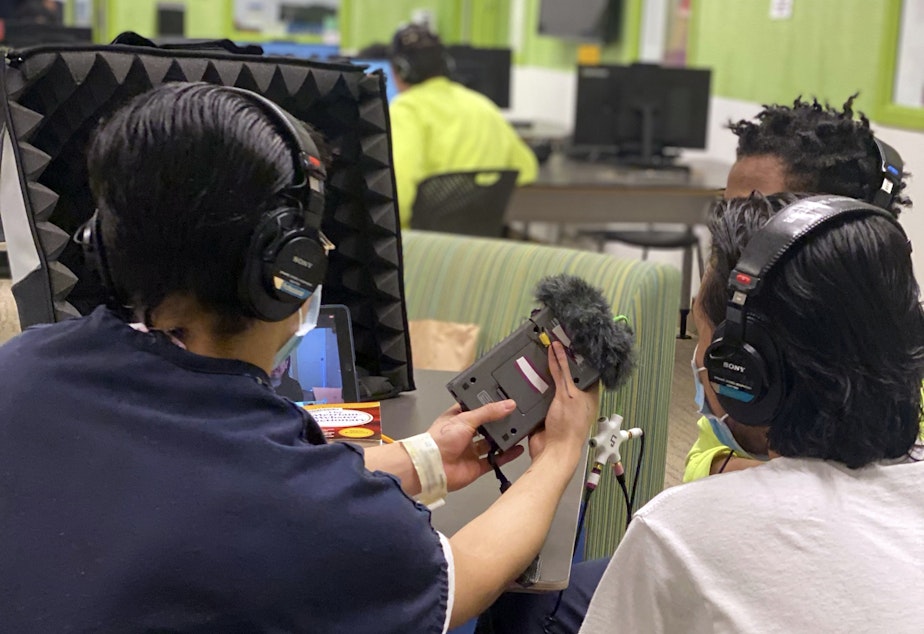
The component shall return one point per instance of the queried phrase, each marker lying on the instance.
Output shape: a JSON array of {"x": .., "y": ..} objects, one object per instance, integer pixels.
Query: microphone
[
  {"x": 573, "y": 313},
  {"x": 606, "y": 342},
  {"x": 609, "y": 438}
]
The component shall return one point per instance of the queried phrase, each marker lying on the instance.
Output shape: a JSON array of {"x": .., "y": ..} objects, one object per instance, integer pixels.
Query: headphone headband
[
  {"x": 306, "y": 160},
  {"x": 891, "y": 167},
  {"x": 787, "y": 228}
]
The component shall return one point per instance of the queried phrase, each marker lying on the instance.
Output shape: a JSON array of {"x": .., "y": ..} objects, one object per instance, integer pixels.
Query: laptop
[{"x": 323, "y": 367}]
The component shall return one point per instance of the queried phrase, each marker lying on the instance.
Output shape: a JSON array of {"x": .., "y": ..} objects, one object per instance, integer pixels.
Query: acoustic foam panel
[{"x": 54, "y": 97}]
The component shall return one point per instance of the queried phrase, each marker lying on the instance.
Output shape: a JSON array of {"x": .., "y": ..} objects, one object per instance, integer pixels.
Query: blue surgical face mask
[
  {"x": 719, "y": 425},
  {"x": 309, "y": 321}
]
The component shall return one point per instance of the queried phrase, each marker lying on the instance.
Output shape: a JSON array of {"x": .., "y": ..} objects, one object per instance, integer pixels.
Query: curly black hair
[{"x": 825, "y": 150}]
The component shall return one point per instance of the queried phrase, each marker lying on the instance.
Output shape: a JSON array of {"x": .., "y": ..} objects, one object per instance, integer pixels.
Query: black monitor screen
[
  {"x": 485, "y": 70},
  {"x": 617, "y": 104},
  {"x": 171, "y": 20},
  {"x": 588, "y": 20}
]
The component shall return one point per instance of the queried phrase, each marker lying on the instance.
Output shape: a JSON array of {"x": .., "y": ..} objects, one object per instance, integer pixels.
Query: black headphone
[
  {"x": 286, "y": 259},
  {"x": 411, "y": 39},
  {"x": 744, "y": 364},
  {"x": 890, "y": 166}
]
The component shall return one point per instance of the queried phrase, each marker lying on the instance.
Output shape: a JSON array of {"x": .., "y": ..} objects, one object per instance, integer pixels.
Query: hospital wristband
[{"x": 428, "y": 463}]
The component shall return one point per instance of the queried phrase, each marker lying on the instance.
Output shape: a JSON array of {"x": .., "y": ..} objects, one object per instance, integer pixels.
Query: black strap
[
  {"x": 788, "y": 227},
  {"x": 130, "y": 38}
]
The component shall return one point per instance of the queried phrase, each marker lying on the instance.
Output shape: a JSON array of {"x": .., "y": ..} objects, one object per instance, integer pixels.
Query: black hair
[
  {"x": 824, "y": 149},
  {"x": 421, "y": 51},
  {"x": 729, "y": 238},
  {"x": 844, "y": 311},
  {"x": 182, "y": 175},
  {"x": 376, "y": 50}
]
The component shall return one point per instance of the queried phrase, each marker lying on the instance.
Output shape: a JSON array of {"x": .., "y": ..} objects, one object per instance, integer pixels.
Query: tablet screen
[{"x": 322, "y": 369}]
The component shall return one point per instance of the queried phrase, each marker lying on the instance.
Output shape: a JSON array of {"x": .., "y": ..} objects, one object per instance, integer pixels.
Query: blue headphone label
[
  {"x": 738, "y": 395},
  {"x": 293, "y": 290}
]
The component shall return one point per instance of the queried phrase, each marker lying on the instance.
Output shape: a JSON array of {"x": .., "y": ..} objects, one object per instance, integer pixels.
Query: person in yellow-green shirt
[
  {"x": 806, "y": 147},
  {"x": 440, "y": 126}
]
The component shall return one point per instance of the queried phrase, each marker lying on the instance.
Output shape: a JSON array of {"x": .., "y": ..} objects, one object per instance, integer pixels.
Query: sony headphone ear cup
[
  {"x": 90, "y": 238},
  {"x": 284, "y": 264},
  {"x": 747, "y": 376}
]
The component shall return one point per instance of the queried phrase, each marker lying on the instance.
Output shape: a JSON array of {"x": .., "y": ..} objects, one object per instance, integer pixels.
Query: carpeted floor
[
  {"x": 682, "y": 430},
  {"x": 681, "y": 433}
]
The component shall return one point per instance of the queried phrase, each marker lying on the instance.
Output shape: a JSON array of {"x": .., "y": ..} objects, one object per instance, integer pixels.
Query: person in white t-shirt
[{"x": 826, "y": 346}]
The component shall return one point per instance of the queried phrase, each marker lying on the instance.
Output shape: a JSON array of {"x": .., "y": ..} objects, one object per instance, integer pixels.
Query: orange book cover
[{"x": 359, "y": 423}]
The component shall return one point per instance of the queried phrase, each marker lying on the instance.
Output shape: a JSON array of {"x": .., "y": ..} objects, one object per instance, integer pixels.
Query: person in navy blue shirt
[{"x": 151, "y": 479}]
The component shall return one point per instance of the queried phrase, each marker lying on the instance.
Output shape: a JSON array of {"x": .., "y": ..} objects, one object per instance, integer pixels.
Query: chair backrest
[{"x": 469, "y": 203}]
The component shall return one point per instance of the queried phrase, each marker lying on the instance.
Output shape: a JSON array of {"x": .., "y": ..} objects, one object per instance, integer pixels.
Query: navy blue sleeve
[
  {"x": 144, "y": 488},
  {"x": 386, "y": 567}
]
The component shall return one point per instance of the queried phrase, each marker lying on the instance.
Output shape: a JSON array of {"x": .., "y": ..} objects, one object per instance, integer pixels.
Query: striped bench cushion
[{"x": 491, "y": 283}]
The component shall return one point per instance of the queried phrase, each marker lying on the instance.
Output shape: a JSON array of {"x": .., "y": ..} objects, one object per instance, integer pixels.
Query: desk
[
  {"x": 413, "y": 412},
  {"x": 571, "y": 192}
]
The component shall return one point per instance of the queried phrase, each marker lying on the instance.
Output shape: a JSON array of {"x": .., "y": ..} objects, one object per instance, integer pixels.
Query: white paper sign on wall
[{"x": 780, "y": 9}]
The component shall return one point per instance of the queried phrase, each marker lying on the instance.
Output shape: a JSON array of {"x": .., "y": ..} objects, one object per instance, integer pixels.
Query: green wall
[
  {"x": 479, "y": 22},
  {"x": 362, "y": 22},
  {"x": 204, "y": 18},
  {"x": 482, "y": 23},
  {"x": 829, "y": 49}
]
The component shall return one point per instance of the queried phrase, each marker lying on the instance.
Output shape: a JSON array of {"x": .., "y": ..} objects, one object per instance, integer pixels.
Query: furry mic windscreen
[{"x": 586, "y": 317}]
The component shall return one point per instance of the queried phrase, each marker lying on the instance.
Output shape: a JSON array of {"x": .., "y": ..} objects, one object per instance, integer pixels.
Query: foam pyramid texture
[{"x": 53, "y": 99}]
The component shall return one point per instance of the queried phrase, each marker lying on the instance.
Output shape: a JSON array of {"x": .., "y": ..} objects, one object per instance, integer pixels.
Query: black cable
[
  {"x": 621, "y": 479},
  {"x": 585, "y": 502},
  {"x": 638, "y": 471},
  {"x": 504, "y": 482},
  {"x": 727, "y": 459},
  {"x": 580, "y": 525}
]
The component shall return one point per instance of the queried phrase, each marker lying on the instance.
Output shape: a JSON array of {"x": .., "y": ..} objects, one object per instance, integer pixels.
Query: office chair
[
  {"x": 652, "y": 238},
  {"x": 469, "y": 203}
]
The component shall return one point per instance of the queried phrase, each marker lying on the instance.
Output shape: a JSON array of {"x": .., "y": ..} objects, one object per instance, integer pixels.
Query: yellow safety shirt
[{"x": 440, "y": 126}]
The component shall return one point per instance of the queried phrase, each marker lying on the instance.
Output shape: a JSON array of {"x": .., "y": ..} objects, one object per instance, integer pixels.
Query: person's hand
[
  {"x": 571, "y": 413},
  {"x": 463, "y": 457}
]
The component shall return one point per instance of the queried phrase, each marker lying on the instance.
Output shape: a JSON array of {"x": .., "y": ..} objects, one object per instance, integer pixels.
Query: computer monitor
[
  {"x": 485, "y": 70},
  {"x": 391, "y": 88},
  {"x": 587, "y": 20},
  {"x": 307, "y": 17},
  {"x": 636, "y": 112},
  {"x": 171, "y": 19}
]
